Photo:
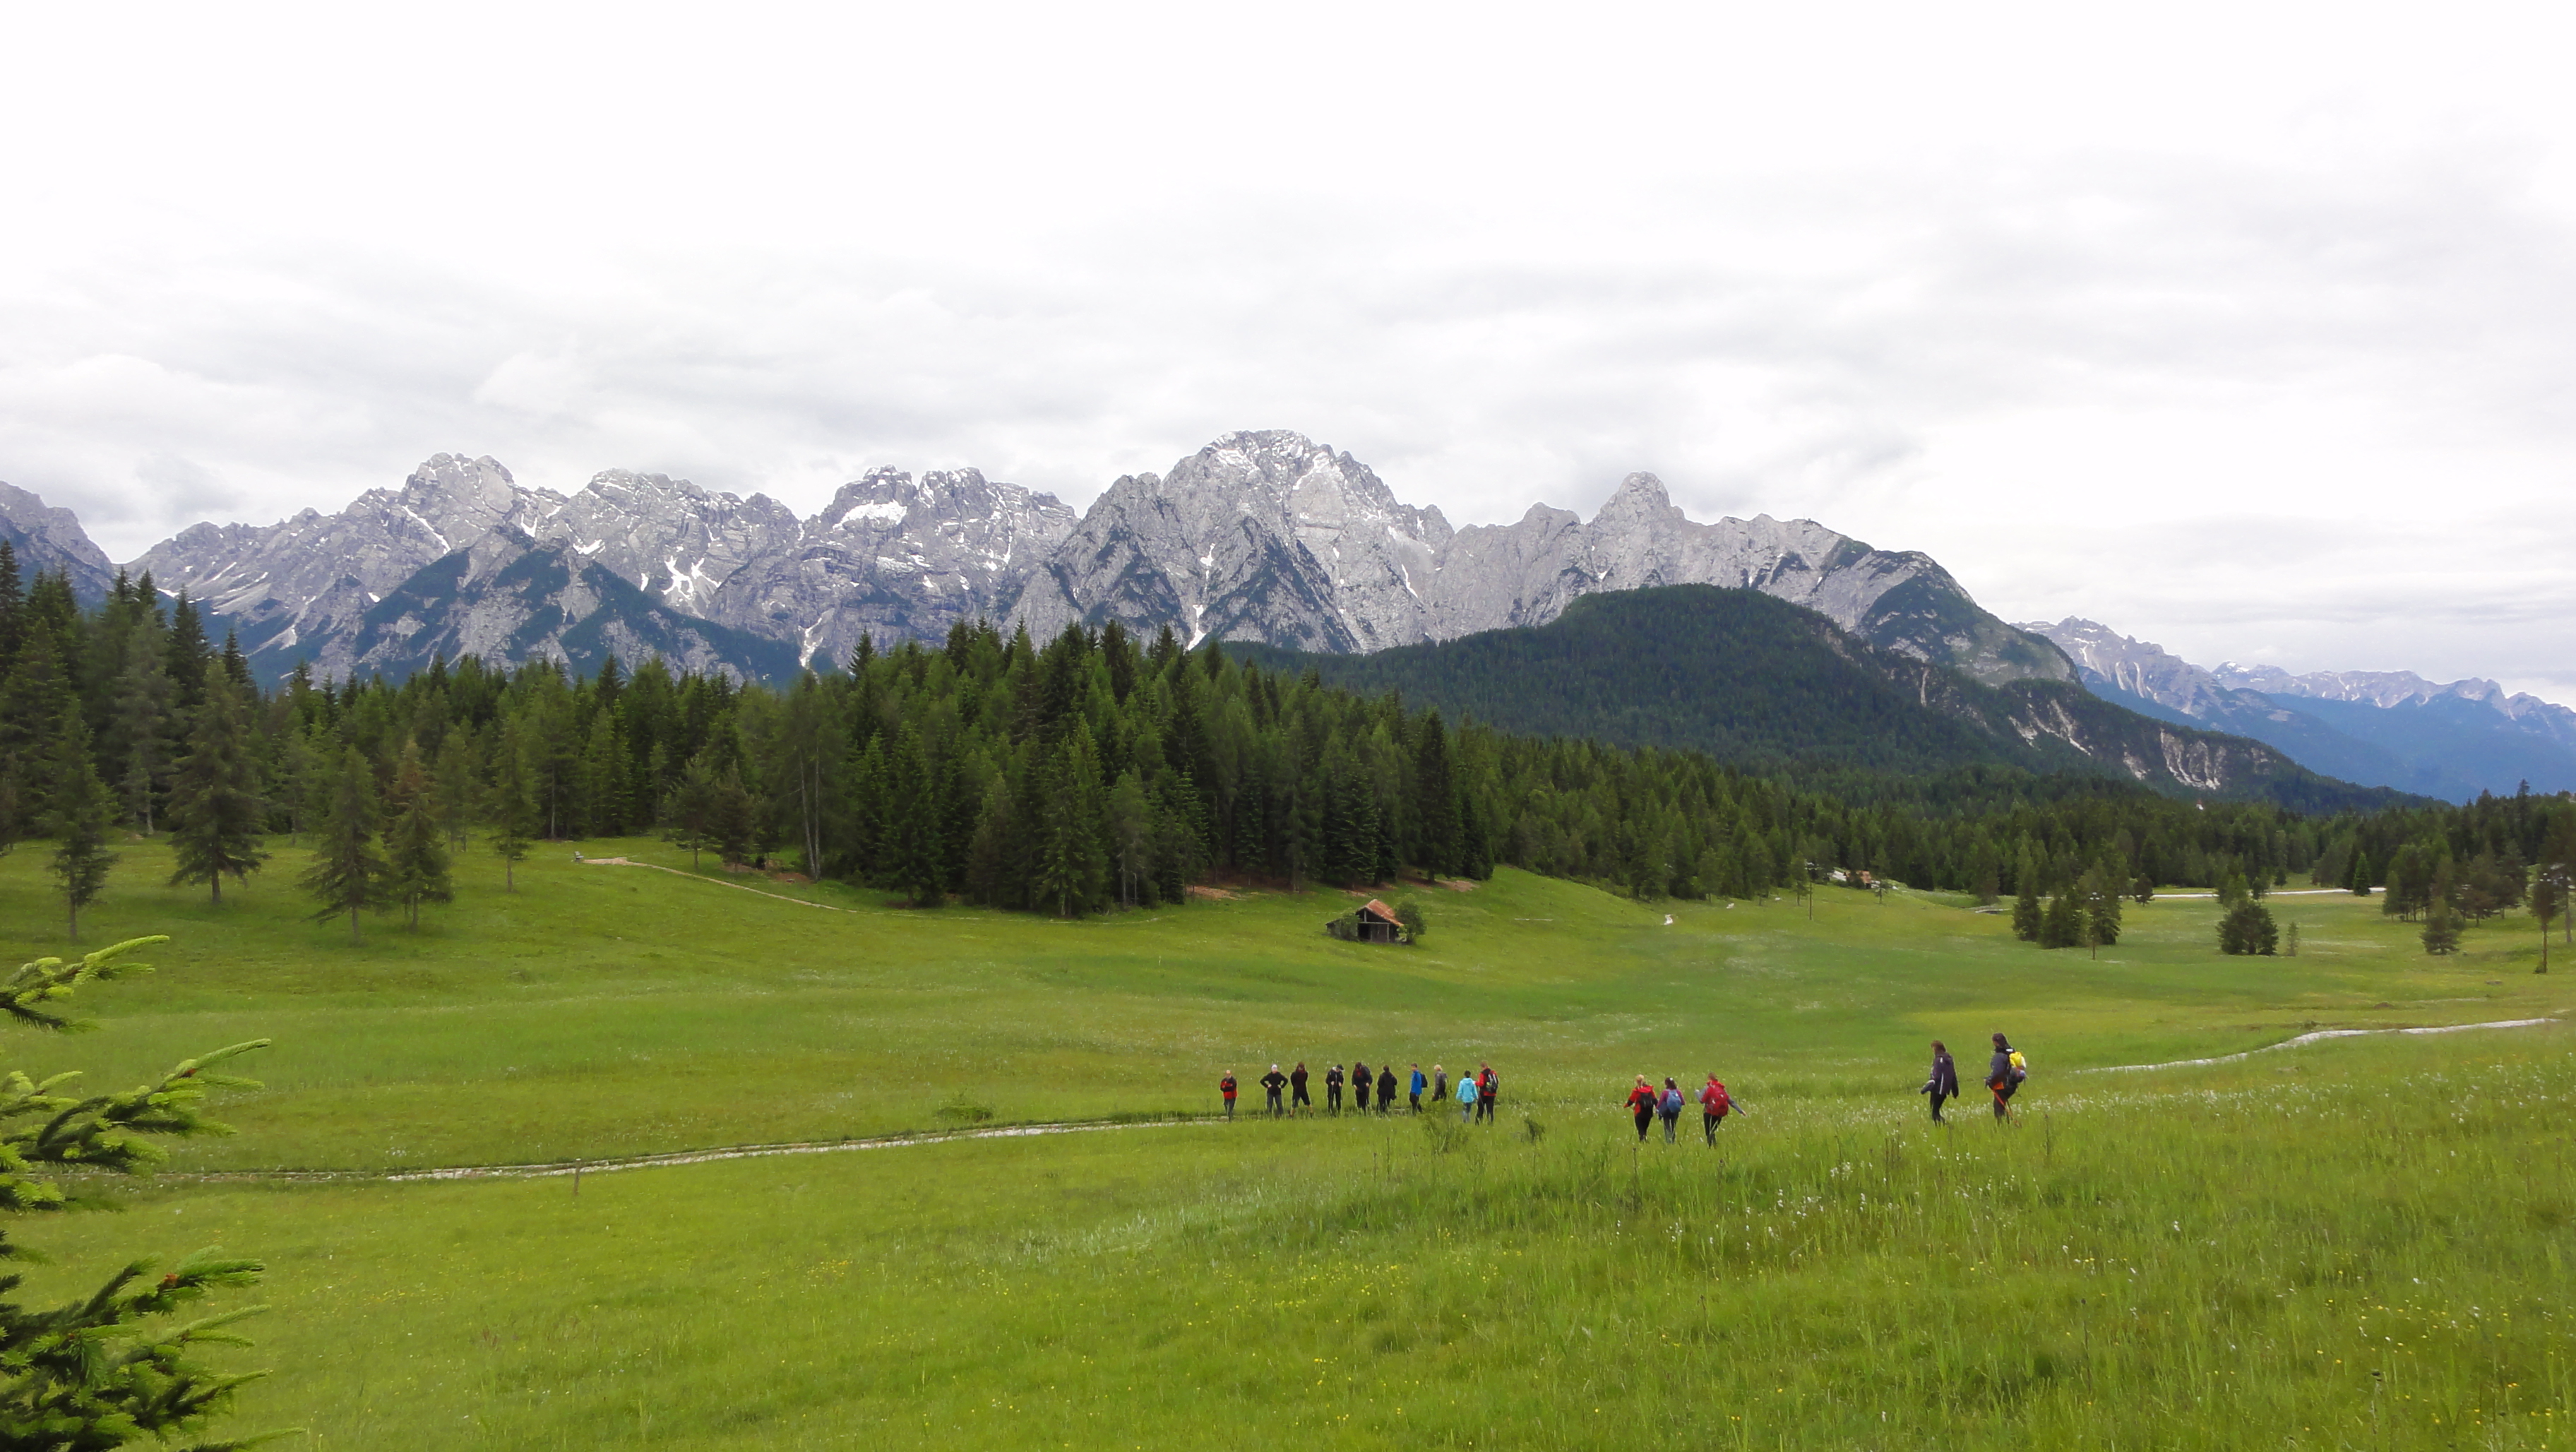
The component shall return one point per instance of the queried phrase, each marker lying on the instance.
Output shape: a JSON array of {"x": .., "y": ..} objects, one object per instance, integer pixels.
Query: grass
[{"x": 2202, "y": 1257}]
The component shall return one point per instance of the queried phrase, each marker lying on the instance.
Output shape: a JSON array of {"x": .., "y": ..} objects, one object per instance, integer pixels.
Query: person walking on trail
[
  {"x": 1225, "y": 1086},
  {"x": 1415, "y": 1088},
  {"x": 1439, "y": 1083},
  {"x": 1466, "y": 1097},
  {"x": 1333, "y": 1090},
  {"x": 2004, "y": 1074},
  {"x": 1385, "y": 1088},
  {"x": 1713, "y": 1107},
  {"x": 1670, "y": 1107},
  {"x": 1361, "y": 1083},
  {"x": 1641, "y": 1104},
  {"x": 1297, "y": 1099},
  {"x": 1489, "y": 1089},
  {"x": 1271, "y": 1084},
  {"x": 1944, "y": 1083}
]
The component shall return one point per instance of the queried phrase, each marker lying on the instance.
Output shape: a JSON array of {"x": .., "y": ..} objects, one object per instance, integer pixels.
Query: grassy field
[{"x": 2214, "y": 1256}]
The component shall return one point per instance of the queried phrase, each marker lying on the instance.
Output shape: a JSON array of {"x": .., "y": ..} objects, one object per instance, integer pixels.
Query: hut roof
[{"x": 1378, "y": 909}]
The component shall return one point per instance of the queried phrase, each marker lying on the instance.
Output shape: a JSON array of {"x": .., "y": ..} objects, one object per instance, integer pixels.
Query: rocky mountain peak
[{"x": 51, "y": 539}]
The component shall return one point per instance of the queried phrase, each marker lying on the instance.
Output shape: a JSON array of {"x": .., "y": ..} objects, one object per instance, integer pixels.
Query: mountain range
[
  {"x": 2381, "y": 728},
  {"x": 1261, "y": 537}
]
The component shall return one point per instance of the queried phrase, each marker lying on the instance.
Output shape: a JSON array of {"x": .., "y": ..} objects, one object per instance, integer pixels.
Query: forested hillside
[
  {"x": 1772, "y": 687},
  {"x": 1092, "y": 771}
]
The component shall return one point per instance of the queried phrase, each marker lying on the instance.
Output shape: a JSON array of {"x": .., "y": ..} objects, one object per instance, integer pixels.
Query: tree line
[{"x": 1091, "y": 771}]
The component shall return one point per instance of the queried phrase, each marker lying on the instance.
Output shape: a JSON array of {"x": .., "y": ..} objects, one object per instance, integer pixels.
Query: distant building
[{"x": 1370, "y": 922}]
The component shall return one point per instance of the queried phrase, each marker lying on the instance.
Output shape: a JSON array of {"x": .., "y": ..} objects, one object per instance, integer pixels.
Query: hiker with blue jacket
[
  {"x": 1466, "y": 1098},
  {"x": 1414, "y": 1090},
  {"x": 1668, "y": 1108}
]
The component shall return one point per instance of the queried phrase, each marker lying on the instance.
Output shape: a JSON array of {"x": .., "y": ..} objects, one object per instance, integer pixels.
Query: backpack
[
  {"x": 1672, "y": 1101},
  {"x": 2020, "y": 1066}
]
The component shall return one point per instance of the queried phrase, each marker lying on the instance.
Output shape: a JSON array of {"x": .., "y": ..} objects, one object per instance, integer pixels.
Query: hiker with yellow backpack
[{"x": 2005, "y": 1074}]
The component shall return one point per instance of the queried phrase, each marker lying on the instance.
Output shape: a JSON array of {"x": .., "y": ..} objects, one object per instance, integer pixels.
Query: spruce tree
[
  {"x": 110, "y": 1367},
  {"x": 2358, "y": 880},
  {"x": 691, "y": 810},
  {"x": 215, "y": 807},
  {"x": 2027, "y": 915},
  {"x": 81, "y": 817},
  {"x": 347, "y": 874},
  {"x": 415, "y": 849},
  {"x": 2063, "y": 926},
  {"x": 2248, "y": 928},
  {"x": 2441, "y": 929},
  {"x": 509, "y": 803}
]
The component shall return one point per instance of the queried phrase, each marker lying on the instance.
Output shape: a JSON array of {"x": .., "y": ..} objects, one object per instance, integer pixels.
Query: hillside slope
[{"x": 1771, "y": 686}]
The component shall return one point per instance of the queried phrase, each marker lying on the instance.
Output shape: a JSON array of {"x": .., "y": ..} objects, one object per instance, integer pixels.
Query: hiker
[
  {"x": 1297, "y": 1089},
  {"x": 1944, "y": 1083},
  {"x": 1670, "y": 1107},
  {"x": 1385, "y": 1088},
  {"x": 1466, "y": 1097},
  {"x": 1225, "y": 1086},
  {"x": 1641, "y": 1103},
  {"x": 1489, "y": 1088},
  {"x": 1713, "y": 1105},
  {"x": 1414, "y": 1089},
  {"x": 1333, "y": 1090},
  {"x": 1361, "y": 1084},
  {"x": 2004, "y": 1074},
  {"x": 1271, "y": 1084},
  {"x": 1439, "y": 1083}
]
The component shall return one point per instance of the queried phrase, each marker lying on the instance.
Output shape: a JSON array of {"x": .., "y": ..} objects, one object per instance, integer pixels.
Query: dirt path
[
  {"x": 710, "y": 881},
  {"x": 2321, "y": 1034}
]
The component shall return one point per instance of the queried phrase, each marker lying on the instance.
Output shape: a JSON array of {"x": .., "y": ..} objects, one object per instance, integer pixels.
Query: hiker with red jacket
[
  {"x": 1362, "y": 1082},
  {"x": 1489, "y": 1087},
  {"x": 1385, "y": 1088},
  {"x": 1225, "y": 1086},
  {"x": 1713, "y": 1106},
  {"x": 1297, "y": 1089},
  {"x": 1271, "y": 1084},
  {"x": 1641, "y": 1103}
]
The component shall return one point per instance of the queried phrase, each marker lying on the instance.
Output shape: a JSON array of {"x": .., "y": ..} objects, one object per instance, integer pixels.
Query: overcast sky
[{"x": 2244, "y": 329}]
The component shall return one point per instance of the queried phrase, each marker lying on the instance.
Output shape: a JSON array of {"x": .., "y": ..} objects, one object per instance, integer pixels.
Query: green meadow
[{"x": 2361, "y": 1242}]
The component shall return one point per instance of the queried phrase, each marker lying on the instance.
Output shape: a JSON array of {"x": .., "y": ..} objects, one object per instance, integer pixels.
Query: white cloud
[{"x": 2241, "y": 329}]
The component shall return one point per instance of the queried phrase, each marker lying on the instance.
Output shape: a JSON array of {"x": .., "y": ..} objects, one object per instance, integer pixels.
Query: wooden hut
[{"x": 1370, "y": 922}]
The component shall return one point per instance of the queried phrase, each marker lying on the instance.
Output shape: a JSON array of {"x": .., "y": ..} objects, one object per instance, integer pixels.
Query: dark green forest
[{"x": 1076, "y": 775}]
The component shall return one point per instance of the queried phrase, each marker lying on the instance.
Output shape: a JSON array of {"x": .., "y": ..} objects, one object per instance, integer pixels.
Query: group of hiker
[
  {"x": 2004, "y": 1075},
  {"x": 1476, "y": 1093},
  {"x": 1647, "y": 1105}
]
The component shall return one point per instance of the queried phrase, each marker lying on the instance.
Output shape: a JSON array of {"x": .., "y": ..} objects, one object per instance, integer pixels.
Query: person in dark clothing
[
  {"x": 1225, "y": 1086},
  {"x": 1333, "y": 1089},
  {"x": 1271, "y": 1084},
  {"x": 1641, "y": 1104},
  {"x": 1362, "y": 1083},
  {"x": 1439, "y": 1085},
  {"x": 1386, "y": 1089},
  {"x": 1414, "y": 1087},
  {"x": 2002, "y": 1078},
  {"x": 1489, "y": 1087},
  {"x": 1297, "y": 1088},
  {"x": 1713, "y": 1106},
  {"x": 1944, "y": 1083}
]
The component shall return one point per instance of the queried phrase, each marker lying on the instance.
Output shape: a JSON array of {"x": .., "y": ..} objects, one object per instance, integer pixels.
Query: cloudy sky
[{"x": 2245, "y": 329}]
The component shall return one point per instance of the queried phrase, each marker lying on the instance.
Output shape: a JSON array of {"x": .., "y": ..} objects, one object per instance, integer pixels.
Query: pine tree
[
  {"x": 2063, "y": 926},
  {"x": 348, "y": 874},
  {"x": 2441, "y": 929},
  {"x": 2248, "y": 929},
  {"x": 455, "y": 781},
  {"x": 81, "y": 816},
  {"x": 108, "y": 1368},
  {"x": 415, "y": 852},
  {"x": 691, "y": 809},
  {"x": 1435, "y": 801},
  {"x": 2359, "y": 879},
  {"x": 215, "y": 808},
  {"x": 735, "y": 821}
]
